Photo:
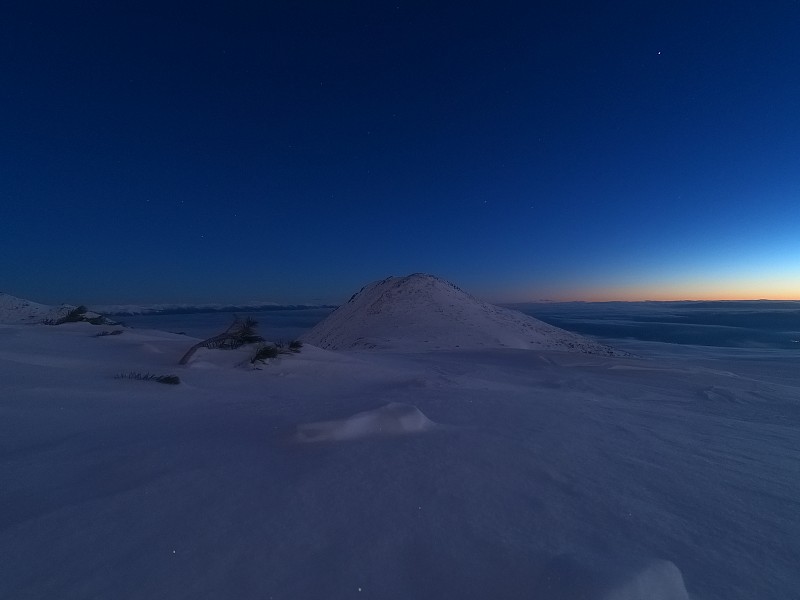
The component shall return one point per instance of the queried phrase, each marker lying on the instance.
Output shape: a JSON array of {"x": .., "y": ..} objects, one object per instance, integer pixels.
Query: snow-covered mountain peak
[
  {"x": 425, "y": 312},
  {"x": 415, "y": 291}
]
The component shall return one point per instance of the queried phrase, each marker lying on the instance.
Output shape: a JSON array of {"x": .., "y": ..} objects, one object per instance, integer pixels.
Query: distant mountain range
[
  {"x": 181, "y": 309},
  {"x": 20, "y": 310}
]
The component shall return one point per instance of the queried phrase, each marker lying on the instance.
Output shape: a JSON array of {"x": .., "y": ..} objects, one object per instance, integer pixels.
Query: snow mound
[
  {"x": 661, "y": 580},
  {"x": 423, "y": 312},
  {"x": 566, "y": 578},
  {"x": 395, "y": 418}
]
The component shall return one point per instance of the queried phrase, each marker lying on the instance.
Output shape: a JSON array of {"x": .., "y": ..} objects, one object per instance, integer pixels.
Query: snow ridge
[
  {"x": 424, "y": 312},
  {"x": 19, "y": 310},
  {"x": 15, "y": 310}
]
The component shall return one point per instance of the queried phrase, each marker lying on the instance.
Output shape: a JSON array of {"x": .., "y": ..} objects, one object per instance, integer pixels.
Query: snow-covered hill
[
  {"x": 423, "y": 312},
  {"x": 18, "y": 310}
]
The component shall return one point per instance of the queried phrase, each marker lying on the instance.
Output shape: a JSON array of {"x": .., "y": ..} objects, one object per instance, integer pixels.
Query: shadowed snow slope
[{"x": 423, "y": 312}]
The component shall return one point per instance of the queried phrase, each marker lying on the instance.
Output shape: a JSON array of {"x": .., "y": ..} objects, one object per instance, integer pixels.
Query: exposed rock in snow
[
  {"x": 423, "y": 312},
  {"x": 396, "y": 418}
]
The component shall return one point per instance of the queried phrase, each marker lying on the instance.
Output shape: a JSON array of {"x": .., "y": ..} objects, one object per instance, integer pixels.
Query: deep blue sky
[{"x": 293, "y": 151}]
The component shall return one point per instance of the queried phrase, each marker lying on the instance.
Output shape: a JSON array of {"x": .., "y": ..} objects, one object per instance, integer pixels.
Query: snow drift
[
  {"x": 425, "y": 312},
  {"x": 395, "y": 418},
  {"x": 566, "y": 578}
]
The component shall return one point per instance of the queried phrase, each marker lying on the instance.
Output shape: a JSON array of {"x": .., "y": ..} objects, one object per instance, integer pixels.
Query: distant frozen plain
[{"x": 551, "y": 475}]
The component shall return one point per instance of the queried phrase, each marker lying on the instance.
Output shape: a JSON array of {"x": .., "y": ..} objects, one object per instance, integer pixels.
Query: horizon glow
[{"x": 296, "y": 153}]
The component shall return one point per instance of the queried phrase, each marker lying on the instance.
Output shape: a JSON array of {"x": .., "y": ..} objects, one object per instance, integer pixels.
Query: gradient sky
[{"x": 293, "y": 151}]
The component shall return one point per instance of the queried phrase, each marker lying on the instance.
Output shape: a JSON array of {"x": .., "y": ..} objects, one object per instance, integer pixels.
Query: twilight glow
[{"x": 293, "y": 152}]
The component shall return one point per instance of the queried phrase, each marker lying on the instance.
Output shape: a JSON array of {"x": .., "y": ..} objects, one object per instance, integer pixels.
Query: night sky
[{"x": 293, "y": 151}]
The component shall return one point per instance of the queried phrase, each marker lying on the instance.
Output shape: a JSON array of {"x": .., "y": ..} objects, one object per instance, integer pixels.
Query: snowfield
[{"x": 478, "y": 472}]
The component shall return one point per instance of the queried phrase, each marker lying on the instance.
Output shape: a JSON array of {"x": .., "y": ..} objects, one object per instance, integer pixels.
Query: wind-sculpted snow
[
  {"x": 566, "y": 578},
  {"x": 422, "y": 312},
  {"x": 472, "y": 474},
  {"x": 395, "y": 418},
  {"x": 660, "y": 580}
]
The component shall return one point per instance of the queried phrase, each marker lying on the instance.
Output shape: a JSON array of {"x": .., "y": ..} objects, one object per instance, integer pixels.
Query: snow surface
[
  {"x": 425, "y": 312},
  {"x": 543, "y": 475}
]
